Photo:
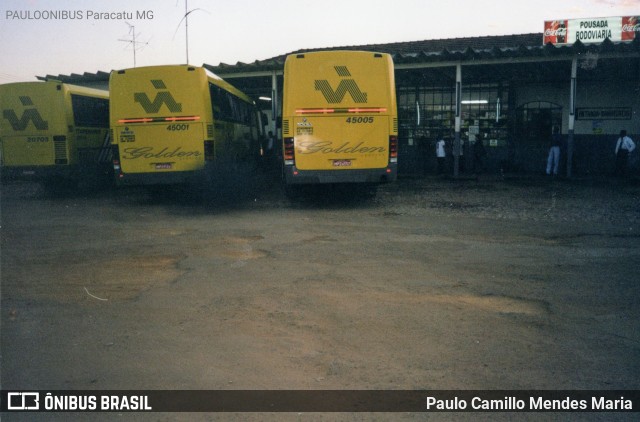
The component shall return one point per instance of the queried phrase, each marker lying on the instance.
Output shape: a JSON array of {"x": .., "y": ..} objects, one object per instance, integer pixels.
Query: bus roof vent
[
  {"x": 191, "y": 69},
  {"x": 299, "y": 56},
  {"x": 377, "y": 55},
  {"x": 121, "y": 72}
]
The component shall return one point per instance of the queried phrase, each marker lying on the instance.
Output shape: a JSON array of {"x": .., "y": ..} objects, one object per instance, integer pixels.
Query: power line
[{"x": 11, "y": 78}]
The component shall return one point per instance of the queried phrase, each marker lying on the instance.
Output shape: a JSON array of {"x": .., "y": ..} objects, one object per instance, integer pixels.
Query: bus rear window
[{"x": 90, "y": 111}]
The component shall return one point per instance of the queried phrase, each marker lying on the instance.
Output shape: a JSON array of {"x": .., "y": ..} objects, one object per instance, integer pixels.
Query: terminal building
[{"x": 505, "y": 92}]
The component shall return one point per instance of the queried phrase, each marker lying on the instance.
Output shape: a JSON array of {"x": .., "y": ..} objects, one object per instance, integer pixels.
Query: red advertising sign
[
  {"x": 630, "y": 28},
  {"x": 555, "y": 32},
  {"x": 591, "y": 30}
]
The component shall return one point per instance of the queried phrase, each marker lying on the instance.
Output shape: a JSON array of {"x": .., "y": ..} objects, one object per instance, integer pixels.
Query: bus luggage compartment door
[
  {"x": 28, "y": 151},
  {"x": 161, "y": 147},
  {"x": 345, "y": 142}
]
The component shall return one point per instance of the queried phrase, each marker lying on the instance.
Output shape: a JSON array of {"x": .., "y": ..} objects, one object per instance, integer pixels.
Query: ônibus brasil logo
[
  {"x": 28, "y": 115},
  {"x": 23, "y": 401},
  {"x": 345, "y": 86},
  {"x": 162, "y": 97}
]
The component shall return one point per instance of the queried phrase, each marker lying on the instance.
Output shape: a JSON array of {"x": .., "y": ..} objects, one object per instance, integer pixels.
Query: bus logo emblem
[
  {"x": 162, "y": 97},
  {"x": 30, "y": 114},
  {"x": 346, "y": 85}
]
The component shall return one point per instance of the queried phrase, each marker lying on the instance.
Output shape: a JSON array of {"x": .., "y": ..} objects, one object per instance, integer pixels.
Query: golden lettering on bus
[
  {"x": 327, "y": 147},
  {"x": 148, "y": 152}
]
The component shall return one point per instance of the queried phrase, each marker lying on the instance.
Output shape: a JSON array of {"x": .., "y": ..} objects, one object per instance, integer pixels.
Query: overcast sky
[{"x": 35, "y": 42}]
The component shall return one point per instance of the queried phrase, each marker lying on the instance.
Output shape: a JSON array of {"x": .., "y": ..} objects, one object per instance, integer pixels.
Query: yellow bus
[
  {"x": 339, "y": 118},
  {"x": 54, "y": 132},
  {"x": 170, "y": 123}
]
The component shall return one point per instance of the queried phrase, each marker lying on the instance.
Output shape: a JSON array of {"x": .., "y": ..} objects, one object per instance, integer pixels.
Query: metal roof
[
  {"x": 411, "y": 51},
  {"x": 500, "y": 48},
  {"x": 86, "y": 77}
]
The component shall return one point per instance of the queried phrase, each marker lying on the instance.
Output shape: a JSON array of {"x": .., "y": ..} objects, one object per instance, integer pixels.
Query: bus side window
[{"x": 228, "y": 107}]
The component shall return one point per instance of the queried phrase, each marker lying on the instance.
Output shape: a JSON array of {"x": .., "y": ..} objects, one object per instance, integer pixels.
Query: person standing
[
  {"x": 479, "y": 152},
  {"x": 441, "y": 154},
  {"x": 269, "y": 144},
  {"x": 624, "y": 147},
  {"x": 423, "y": 155},
  {"x": 553, "y": 160},
  {"x": 460, "y": 154}
]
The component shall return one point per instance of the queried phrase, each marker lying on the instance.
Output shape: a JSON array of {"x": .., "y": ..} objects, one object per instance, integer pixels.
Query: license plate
[
  {"x": 28, "y": 172},
  {"x": 163, "y": 166},
  {"x": 341, "y": 163}
]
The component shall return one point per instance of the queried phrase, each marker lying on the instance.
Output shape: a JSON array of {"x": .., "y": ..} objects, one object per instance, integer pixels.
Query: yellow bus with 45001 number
[{"x": 170, "y": 122}]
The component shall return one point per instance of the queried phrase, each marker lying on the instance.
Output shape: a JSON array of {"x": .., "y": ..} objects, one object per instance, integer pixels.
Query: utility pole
[
  {"x": 185, "y": 18},
  {"x": 186, "y": 27}
]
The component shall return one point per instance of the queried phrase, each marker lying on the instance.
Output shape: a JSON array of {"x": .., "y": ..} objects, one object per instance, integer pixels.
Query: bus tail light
[
  {"x": 289, "y": 157},
  {"x": 208, "y": 151},
  {"x": 393, "y": 149},
  {"x": 115, "y": 151},
  {"x": 159, "y": 119},
  {"x": 341, "y": 110}
]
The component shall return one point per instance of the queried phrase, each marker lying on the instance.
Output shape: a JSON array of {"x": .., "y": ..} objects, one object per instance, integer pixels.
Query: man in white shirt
[
  {"x": 624, "y": 147},
  {"x": 440, "y": 155}
]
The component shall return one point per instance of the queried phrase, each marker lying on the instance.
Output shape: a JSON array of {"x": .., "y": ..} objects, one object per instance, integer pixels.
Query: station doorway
[{"x": 534, "y": 122}]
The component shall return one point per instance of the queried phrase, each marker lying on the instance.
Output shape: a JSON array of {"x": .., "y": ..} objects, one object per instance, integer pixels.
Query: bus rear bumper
[
  {"x": 169, "y": 178},
  {"x": 384, "y": 175},
  {"x": 38, "y": 173}
]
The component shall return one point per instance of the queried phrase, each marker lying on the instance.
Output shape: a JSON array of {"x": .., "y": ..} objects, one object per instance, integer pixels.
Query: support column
[
  {"x": 456, "y": 141},
  {"x": 572, "y": 116},
  {"x": 274, "y": 96}
]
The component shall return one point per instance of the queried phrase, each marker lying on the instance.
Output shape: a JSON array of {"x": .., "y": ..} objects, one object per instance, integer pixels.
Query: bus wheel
[{"x": 293, "y": 192}]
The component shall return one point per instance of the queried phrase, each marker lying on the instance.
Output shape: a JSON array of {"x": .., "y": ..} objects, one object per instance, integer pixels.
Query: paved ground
[{"x": 434, "y": 284}]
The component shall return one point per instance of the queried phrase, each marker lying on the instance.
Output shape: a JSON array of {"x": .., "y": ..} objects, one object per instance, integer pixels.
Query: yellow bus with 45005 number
[
  {"x": 169, "y": 122},
  {"x": 339, "y": 118}
]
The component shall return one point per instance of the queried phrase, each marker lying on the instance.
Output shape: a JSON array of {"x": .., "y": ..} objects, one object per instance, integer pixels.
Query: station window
[{"x": 430, "y": 112}]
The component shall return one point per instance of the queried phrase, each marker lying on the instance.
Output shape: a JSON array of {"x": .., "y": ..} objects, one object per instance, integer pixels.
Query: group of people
[{"x": 624, "y": 147}]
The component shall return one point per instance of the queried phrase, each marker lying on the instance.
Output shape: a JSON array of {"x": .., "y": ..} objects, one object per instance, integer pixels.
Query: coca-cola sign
[
  {"x": 591, "y": 30},
  {"x": 630, "y": 28},
  {"x": 555, "y": 32}
]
